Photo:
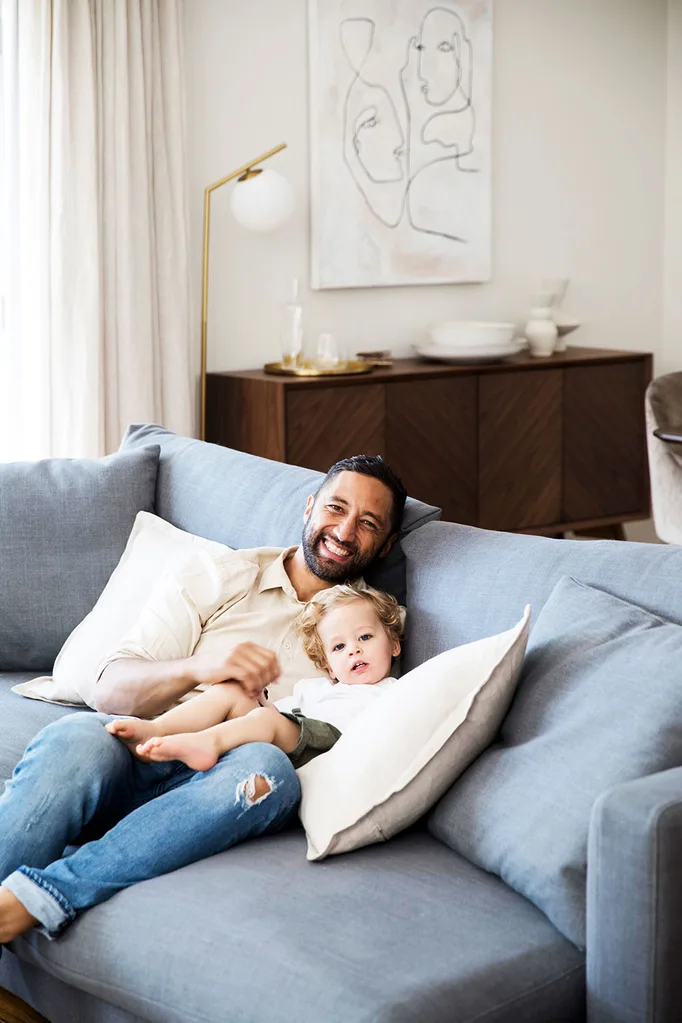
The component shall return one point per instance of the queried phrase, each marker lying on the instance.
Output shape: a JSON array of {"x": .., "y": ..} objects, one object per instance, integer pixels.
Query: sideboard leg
[{"x": 616, "y": 531}]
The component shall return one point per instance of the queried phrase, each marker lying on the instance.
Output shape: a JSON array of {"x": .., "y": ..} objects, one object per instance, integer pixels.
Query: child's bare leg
[
  {"x": 202, "y": 750},
  {"x": 221, "y": 701}
]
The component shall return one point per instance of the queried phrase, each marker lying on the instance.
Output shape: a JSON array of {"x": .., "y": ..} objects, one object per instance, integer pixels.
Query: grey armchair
[{"x": 664, "y": 413}]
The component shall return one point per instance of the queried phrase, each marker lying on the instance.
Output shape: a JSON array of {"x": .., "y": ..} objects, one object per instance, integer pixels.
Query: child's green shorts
[{"x": 316, "y": 737}]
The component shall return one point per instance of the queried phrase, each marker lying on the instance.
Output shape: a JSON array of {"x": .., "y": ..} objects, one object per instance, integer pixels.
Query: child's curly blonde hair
[{"x": 389, "y": 612}]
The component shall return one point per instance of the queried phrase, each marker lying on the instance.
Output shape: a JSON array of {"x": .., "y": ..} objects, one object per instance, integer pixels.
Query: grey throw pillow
[
  {"x": 64, "y": 523},
  {"x": 599, "y": 703}
]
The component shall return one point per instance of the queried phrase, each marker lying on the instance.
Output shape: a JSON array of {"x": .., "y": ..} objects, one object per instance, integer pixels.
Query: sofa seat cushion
[
  {"x": 245, "y": 501},
  {"x": 20, "y": 720},
  {"x": 405, "y": 931}
]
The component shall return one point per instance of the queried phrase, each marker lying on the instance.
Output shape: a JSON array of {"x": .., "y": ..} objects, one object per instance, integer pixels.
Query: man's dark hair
[{"x": 375, "y": 467}]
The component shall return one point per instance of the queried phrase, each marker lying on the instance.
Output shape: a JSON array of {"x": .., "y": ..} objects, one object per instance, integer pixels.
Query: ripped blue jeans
[{"x": 135, "y": 821}]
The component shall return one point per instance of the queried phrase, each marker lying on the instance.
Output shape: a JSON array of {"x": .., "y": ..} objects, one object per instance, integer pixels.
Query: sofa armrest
[{"x": 634, "y": 902}]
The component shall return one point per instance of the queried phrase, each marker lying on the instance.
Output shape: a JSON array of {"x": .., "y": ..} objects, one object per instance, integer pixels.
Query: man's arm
[{"x": 134, "y": 685}]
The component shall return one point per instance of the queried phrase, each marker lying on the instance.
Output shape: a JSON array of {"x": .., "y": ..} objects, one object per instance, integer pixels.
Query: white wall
[{"x": 578, "y": 144}]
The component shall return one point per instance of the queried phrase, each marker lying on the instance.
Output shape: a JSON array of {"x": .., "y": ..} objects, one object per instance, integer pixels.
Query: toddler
[{"x": 350, "y": 632}]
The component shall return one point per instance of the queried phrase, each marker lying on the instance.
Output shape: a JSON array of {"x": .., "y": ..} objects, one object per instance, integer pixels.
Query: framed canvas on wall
[{"x": 400, "y": 110}]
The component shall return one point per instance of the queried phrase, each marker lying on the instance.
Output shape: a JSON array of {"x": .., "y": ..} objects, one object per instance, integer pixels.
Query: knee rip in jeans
[
  {"x": 38, "y": 813},
  {"x": 254, "y": 789}
]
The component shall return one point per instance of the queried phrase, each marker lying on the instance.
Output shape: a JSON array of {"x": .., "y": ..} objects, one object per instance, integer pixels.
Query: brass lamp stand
[{"x": 244, "y": 173}]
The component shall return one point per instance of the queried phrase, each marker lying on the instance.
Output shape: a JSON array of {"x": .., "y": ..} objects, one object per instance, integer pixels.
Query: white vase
[{"x": 541, "y": 331}]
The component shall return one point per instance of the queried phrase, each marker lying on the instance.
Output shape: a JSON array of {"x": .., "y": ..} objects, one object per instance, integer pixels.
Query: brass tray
[{"x": 311, "y": 369}]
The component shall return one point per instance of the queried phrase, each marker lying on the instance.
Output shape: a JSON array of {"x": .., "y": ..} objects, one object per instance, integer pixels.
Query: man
[{"x": 77, "y": 782}]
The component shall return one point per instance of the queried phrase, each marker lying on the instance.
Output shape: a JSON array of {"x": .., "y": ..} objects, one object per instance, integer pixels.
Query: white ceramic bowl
[
  {"x": 475, "y": 354},
  {"x": 470, "y": 333}
]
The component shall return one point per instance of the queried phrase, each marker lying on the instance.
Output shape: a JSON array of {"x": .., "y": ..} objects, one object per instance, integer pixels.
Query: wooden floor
[{"x": 13, "y": 1010}]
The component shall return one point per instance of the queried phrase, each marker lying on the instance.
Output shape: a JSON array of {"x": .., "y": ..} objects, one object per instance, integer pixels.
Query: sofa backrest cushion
[
  {"x": 599, "y": 703},
  {"x": 64, "y": 524},
  {"x": 245, "y": 501},
  {"x": 465, "y": 583}
]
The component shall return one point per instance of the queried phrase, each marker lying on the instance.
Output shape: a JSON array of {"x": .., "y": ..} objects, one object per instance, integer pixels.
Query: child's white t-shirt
[{"x": 334, "y": 702}]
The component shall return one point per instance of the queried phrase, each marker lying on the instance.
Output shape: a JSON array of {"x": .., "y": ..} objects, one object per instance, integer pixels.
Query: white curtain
[{"x": 93, "y": 225}]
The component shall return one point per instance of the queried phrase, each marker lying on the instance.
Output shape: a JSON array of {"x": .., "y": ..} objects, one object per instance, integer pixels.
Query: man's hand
[{"x": 253, "y": 666}]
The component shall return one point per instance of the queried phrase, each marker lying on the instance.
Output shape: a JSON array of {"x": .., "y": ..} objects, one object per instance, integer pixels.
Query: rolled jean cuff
[{"x": 42, "y": 900}]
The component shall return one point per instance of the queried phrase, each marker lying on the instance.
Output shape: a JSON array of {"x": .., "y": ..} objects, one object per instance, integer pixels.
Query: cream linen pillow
[
  {"x": 154, "y": 549},
  {"x": 402, "y": 753}
]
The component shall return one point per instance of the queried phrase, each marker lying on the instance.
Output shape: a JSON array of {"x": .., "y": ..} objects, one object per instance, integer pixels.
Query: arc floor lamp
[{"x": 261, "y": 201}]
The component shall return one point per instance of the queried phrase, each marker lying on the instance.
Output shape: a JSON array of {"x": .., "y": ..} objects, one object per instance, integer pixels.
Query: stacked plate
[{"x": 471, "y": 341}]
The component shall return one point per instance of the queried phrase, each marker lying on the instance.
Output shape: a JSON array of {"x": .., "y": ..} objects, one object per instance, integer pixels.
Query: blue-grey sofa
[{"x": 483, "y": 911}]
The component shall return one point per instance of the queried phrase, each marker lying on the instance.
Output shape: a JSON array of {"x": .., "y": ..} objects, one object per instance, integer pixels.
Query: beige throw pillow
[
  {"x": 154, "y": 548},
  {"x": 407, "y": 748}
]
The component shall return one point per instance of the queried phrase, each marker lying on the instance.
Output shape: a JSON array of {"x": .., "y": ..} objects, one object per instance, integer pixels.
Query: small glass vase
[{"x": 291, "y": 334}]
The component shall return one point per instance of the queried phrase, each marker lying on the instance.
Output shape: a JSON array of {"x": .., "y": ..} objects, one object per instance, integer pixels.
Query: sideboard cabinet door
[
  {"x": 326, "y": 424},
  {"x": 605, "y": 466},
  {"x": 431, "y": 440},
  {"x": 520, "y": 449}
]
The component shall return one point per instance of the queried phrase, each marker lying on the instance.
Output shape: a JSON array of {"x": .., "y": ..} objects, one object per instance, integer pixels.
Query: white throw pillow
[
  {"x": 401, "y": 754},
  {"x": 154, "y": 548}
]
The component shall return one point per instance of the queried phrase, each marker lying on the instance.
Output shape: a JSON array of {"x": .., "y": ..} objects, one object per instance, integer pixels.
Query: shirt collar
[{"x": 274, "y": 576}]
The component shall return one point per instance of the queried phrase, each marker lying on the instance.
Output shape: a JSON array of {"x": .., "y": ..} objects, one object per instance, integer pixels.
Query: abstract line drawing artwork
[{"x": 400, "y": 98}]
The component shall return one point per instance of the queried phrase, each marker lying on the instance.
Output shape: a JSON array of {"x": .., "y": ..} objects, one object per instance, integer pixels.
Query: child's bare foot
[
  {"x": 14, "y": 917},
  {"x": 196, "y": 750},
  {"x": 131, "y": 732}
]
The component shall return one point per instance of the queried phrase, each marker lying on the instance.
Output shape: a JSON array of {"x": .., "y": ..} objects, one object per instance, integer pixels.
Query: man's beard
[{"x": 325, "y": 568}]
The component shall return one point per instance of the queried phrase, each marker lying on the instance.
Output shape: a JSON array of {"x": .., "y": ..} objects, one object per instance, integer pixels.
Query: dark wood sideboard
[{"x": 528, "y": 445}]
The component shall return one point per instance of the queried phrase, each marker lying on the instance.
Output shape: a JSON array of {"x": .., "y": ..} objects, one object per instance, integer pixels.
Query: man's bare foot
[
  {"x": 14, "y": 917},
  {"x": 132, "y": 732},
  {"x": 197, "y": 751}
]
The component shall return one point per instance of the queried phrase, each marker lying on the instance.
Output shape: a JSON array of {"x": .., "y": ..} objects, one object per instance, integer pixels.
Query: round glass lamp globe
[{"x": 262, "y": 203}]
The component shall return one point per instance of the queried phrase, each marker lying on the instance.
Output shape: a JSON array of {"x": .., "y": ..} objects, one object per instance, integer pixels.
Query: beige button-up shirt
[{"x": 247, "y": 597}]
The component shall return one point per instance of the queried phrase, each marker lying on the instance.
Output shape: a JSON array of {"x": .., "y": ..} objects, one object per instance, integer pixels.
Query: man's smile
[{"x": 337, "y": 553}]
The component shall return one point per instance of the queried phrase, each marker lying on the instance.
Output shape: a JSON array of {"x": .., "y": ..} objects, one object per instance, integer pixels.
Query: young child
[{"x": 350, "y": 632}]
